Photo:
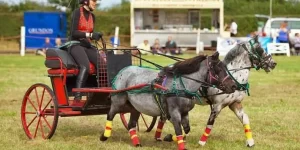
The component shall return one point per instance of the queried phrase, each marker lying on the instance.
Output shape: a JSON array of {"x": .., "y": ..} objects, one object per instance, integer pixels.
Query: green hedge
[
  {"x": 242, "y": 11},
  {"x": 10, "y": 24}
]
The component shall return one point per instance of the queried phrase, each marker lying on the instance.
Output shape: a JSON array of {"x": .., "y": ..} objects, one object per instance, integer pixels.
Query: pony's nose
[{"x": 273, "y": 65}]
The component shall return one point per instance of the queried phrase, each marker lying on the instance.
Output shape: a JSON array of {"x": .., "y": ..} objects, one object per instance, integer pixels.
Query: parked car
[{"x": 272, "y": 26}]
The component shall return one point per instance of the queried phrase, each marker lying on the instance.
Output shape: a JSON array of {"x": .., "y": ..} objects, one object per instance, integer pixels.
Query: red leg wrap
[
  {"x": 205, "y": 135},
  {"x": 160, "y": 126},
  {"x": 180, "y": 142},
  {"x": 134, "y": 138}
]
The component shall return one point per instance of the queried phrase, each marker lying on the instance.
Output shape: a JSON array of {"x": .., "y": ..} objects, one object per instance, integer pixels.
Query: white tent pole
[
  {"x": 116, "y": 39},
  {"x": 22, "y": 41}
]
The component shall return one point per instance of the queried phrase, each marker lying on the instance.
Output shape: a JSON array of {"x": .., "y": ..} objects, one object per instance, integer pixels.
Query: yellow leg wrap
[
  {"x": 108, "y": 127},
  {"x": 133, "y": 136},
  {"x": 180, "y": 141},
  {"x": 248, "y": 131},
  {"x": 174, "y": 138},
  {"x": 249, "y": 135},
  {"x": 247, "y": 126},
  {"x": 205, "y": 134}
]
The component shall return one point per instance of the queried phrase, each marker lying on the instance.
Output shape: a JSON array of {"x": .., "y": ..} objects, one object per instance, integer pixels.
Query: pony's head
[
  {"x": 259, "y": 58},
  {"x": 218, "y": 74}
]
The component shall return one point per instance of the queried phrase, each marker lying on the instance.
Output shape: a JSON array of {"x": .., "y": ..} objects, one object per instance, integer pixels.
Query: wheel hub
[{"x": 38, "y": 113}]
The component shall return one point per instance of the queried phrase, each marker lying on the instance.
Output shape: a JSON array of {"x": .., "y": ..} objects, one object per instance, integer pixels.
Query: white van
[{"x": 272, "y": 26}]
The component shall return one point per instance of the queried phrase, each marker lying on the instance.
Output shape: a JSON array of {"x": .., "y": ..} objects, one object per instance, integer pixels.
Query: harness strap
[
  {"x": 158, "y": 100},
  {"x": 157, "y": 97},
  {"x": 194, "y": 94},
  {"x": 241, "y": 87}
]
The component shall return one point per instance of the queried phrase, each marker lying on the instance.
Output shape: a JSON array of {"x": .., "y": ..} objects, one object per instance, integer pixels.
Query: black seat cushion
[{"x": 67, "y": 60}]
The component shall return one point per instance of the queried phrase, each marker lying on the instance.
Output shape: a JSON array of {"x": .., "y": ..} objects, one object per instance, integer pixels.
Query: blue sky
[{"x": 103, "y": 3}]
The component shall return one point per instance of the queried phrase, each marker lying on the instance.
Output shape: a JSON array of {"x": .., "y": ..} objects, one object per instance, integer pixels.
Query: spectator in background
[
  {"x": 233, "y": 28},
  {"x": 297, "y": 44},
  {"x": 144, "y": 47},
  {"x": 46, "y": 46},
  {"x": 283, "y": 34},
  {"x": 156, "y": 47},
  {"x": 252, "y": 34},
  {"x": 171, "y": 47},
  {"x": 58, "y": 42},
  {"x": 226, "y": 27}
]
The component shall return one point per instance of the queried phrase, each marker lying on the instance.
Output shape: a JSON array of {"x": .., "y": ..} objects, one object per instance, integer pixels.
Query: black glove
[{"x": 96, "y": 36}]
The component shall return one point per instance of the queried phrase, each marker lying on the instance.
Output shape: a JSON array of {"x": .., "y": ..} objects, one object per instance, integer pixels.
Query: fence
[{"x": 11, "y": 44}]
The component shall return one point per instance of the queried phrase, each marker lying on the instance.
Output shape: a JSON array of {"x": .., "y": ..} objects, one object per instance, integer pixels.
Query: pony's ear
[
  {"x": 215, "y": 56},
  {"x": 255, "y": 38}
]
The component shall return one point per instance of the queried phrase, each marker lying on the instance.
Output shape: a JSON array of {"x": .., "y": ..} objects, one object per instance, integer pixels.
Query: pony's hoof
[
  {"x": 158, "y": 139},
  {"x": 250, "y": 143},
  {"x": 202, "y": 143},
  {"x": 168, "y": 138},
  {"x": 138, "y": 145},
  {"x": 103, "y": 138}
]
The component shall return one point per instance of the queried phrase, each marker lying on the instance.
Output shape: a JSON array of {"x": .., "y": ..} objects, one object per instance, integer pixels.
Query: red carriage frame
[{"x": 46, "y": 105}]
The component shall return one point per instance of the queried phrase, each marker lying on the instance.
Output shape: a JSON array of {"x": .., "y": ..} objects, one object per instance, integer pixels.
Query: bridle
[
  {"x": 208, "y": 83},
  {"x": 216, "y": 77},
  {"x": 254, "y": 56}
]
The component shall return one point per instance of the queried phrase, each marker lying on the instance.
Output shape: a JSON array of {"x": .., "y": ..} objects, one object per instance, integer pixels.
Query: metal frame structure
[{"x": 184, "y": 38}]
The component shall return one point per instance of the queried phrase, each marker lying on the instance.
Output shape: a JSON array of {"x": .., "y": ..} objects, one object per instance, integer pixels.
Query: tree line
[{"x": 242, "y": 11}]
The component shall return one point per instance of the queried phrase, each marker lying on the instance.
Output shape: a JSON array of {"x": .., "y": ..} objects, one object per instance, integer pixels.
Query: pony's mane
[
  {"x": 187, "y": 66},
  {"x": 235, "y": 51}
]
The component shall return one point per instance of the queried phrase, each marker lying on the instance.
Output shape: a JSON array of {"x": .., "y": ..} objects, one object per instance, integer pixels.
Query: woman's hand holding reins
[{"x": 96, "y": 36}]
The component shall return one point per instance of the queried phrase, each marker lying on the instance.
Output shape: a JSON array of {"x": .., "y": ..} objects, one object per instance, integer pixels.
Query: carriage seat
[{"x": 57, "y": 59}]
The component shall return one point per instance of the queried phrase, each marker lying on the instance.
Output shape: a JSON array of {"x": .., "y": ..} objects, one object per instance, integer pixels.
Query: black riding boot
[{"x": 81, "y": 79}]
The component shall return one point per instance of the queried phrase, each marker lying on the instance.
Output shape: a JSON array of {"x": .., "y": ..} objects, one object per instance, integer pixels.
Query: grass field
[{"x": 273, "y": 109}]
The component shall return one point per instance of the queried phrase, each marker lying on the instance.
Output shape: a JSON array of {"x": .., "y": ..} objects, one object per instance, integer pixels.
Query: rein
[{"x": 168, "y": 56}]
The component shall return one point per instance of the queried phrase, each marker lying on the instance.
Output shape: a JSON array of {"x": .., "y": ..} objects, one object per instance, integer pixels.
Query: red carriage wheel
[
  {"x": 39, "y": 112},
  {"x": 148, "y": 121}
]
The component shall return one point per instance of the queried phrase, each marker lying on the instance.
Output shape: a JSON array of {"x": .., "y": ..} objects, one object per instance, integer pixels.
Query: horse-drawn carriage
[
  {"x": 175, "y": 97},
  {"x": 42, "y": 105}
]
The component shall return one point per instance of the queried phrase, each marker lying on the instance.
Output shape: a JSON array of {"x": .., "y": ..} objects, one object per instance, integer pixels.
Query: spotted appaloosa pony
[
  {"x": 239, "y": 60},
  {"x": 187, "y": 78}
]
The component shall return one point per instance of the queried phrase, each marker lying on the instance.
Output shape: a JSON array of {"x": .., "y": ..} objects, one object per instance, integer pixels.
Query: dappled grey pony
[
  {"x": 239, "y": 61},
  {"x": 182, "y": 82}
]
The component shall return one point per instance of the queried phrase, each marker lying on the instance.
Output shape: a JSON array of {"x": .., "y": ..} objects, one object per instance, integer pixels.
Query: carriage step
[
  {"x": 69, "y": 113},
  {"x": 91, "y": 107}
]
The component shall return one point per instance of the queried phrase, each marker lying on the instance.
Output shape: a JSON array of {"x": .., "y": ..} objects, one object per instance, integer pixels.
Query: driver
[{"x": 82, "y": 30}]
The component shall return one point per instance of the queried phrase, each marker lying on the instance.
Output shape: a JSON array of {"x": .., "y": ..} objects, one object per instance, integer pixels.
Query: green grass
[{"x": 273, "y": 109}]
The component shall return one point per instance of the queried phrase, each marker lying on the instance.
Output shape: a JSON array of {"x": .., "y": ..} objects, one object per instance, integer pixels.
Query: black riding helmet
[{"x": 86, "y": 2}]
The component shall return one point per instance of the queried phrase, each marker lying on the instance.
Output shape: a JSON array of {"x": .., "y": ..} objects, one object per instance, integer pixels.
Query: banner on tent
[{"x": 226, "y": 44}]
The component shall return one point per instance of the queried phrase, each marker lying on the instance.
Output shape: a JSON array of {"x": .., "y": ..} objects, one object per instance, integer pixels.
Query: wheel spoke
[
  {"x": 144, "y": 121},
  {"x": 47, "y": 105},
  {"x": 31, "y": 121},
  {"x": 40, "y": 106},
  {"x": 31, "y": 103},
  {"x": 41, "y": 127},
  {"x": 37, "y": 127},
  {"x": 47, "y": 123},
  {"x": 30, "y": 112},
  {"x": 49, "y": 114},
  {"x": 37, "y": 97}
]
